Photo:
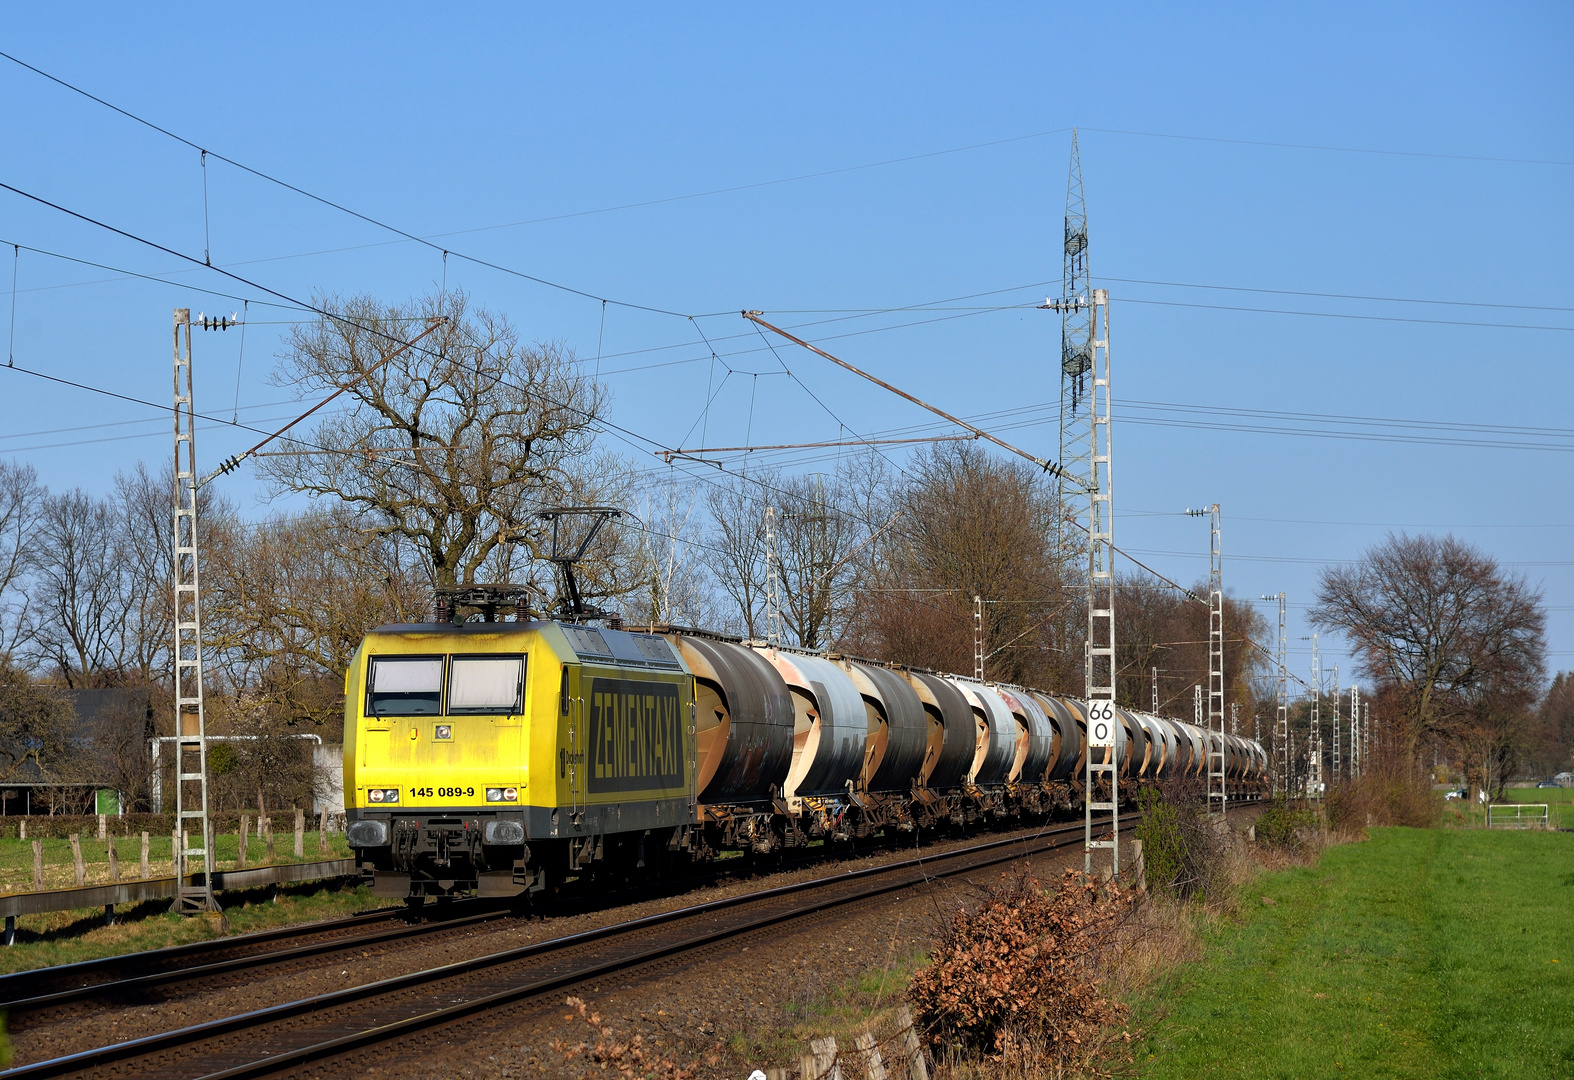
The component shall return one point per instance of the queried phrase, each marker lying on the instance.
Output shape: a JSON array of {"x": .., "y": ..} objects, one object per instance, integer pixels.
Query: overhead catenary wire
[
  {"x": 16, "y": 265},
  {"x": 668, "y": 455},
  {"x": 241, "y": 359},
  {"x": 430, "y": 242},
  {"x": 217, "y": 421},
  {"x": 231, "y": 463},
  {"x": 1043, "y": 463},
  {"x": 1329, "y": 149},
  {"x": 260, "y": 174}
]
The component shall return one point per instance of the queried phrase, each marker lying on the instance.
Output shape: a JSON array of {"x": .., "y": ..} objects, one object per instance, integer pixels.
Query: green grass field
[{"x": 1421, "y": 953}]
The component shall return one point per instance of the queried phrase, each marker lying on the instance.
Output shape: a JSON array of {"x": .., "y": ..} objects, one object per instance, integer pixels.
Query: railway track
[
  {"x": 31, "y": 997},
  {"x": 131, "y": 976},
  {"x": 278, "y": 1038}
]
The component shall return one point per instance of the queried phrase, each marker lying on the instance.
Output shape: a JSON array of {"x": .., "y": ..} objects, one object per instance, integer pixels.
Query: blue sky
[{"x": 1409, "y": 152}]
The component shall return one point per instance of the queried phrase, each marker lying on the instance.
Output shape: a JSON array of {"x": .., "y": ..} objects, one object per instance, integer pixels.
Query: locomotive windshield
[
  {"x": 405, "y": 686},
  {"x": 486, "y": 685}
]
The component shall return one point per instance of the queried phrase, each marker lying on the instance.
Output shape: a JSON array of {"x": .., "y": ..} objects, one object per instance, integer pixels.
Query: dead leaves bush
[
  {"x": 1022, "y": 967},
  {"x": 631, "y": 1058}
]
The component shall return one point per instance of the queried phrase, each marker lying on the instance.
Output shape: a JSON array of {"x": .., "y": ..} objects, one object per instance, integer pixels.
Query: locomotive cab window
[
  {"x": 405, "y": 686},
  {"x": 486, "y": 685}
]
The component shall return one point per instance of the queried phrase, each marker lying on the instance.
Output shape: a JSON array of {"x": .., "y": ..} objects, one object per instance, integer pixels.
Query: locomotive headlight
[
  {"x": 382, "y": 795},
  {"x": 502, "y": 794}
]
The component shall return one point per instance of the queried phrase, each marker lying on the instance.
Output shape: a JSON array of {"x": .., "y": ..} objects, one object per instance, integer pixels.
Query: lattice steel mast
[
  {"x": 1099, "y": 679},
  {"x": 1281, "y": 724},
  {"x": 1076, "y": 333},
  {"x": 978, "y": 638},
  {"x": 1085, "y": 468},
  {"x": 1357, "y": 750},
  {"x": 1314, "y": 735},
  {"x": 1218, "y": 795},
  {"x": 1338, "y": 720},
  {"x": 191, "y": 743}
]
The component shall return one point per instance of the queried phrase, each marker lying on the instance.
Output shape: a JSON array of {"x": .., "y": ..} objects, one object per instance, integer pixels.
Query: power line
[
  {"x": 1328, "y": 149},
  {"x": 1345, "y": 315},
  {"x": 137, "y": 274},
  {"x": 1336, "y": 296},
  {"x": 345, "y": 209}
]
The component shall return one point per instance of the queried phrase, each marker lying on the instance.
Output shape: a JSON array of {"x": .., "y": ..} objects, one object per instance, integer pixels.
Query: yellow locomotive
[{"x": 463, "y": 740}]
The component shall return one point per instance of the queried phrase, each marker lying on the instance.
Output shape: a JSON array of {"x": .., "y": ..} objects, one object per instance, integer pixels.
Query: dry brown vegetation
[
  {"x": 1021, "y": 969},
  {"x": 620, "y": 1055},
  {"x": 1385, "y": 797}
]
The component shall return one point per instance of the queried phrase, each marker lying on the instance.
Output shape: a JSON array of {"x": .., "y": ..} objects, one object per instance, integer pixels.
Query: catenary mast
[{"x": 1085, "y": 471}]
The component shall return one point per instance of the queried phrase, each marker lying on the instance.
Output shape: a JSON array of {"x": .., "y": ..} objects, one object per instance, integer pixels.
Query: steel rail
[
  {"x": 119, "y": 987},
  {"x": 268, "y": 1061},
  {"x": 19, "y": 986}
]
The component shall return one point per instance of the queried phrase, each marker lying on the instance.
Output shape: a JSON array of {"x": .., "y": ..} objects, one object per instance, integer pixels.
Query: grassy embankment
[
  {"x": 63, "y": 937},
  {"x": 1421, "y": 953},
  {"x": 16, "y": 857}
]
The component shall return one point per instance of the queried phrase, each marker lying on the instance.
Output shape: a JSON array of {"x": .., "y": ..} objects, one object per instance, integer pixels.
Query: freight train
[{"x": 499, "y": 758}]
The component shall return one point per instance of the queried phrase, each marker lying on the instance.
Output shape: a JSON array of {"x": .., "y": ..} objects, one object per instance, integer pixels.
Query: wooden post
[
  {"x": 244, "y": 842},
  {"x": 300, "y": 833},
  {"x": 77, "y": 866},
  {"x": 22, "y": 830},
  {"x": 268, "y": 823},
  {"x": 322, "y": 828},
  {"x": 103, "y": 828},
  {"x": 874, "y": 1067},
  {"x": 1137, "y": 865},
  {"x": 809, "y": 1067},
  {"x": 912, "y": 1050},
  {"x": 828, "y": 1065},
  {"x": 38, "y": 865},
  {"x": 775, "y": 1074},
  {"x": 145, "y": 873},
  {"x": 114, "y": 861}
]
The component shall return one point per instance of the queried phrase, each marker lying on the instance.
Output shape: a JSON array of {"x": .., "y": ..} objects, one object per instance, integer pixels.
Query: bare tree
[
  {"x": 1553, "y": 733},
  {"x": 35, "y": 724},
  {"x": 1440, "y": 623},
  {"x": 816, "y": 539},
  {"x": 735, "y": 549},
  {"x": 453, "y": 444},
  {"x": 21, "y": 497},
  {"x": 79, "y": 595},
  {"x": 290, "y": 598},
  {"x": 820, "y": 535},
  {"x": 967, "y": 525},
  {"x": 675, "y": 591},
  {"x": 1166, "y": 629}
]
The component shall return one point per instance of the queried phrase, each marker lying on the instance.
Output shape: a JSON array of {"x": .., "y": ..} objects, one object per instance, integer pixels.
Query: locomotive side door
[{"x": 571, "y": 741}]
